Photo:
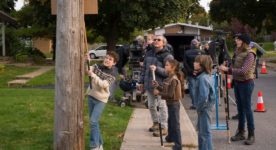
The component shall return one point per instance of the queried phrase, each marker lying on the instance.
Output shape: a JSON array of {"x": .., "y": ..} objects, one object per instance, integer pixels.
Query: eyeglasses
[{"x": 157, "y": 40}]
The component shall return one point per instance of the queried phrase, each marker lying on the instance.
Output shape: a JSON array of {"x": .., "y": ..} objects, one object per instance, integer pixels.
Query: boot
[
  {"x": 251, "y": 138},
  {"x": 156, "y": 133},
  {"x": 236, "y": 117},
  {"x": 154, "y": 127},
  {"x": 239, "y": 136},
  {"x": 167, "y": 139}
]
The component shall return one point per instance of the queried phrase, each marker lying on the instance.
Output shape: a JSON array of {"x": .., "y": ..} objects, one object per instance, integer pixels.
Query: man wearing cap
[
  {"x": 188, "y": 63},
  {"x": 242, "y": 69}
]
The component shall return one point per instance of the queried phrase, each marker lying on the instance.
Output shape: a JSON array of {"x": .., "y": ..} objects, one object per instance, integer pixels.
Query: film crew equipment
[{"x": 218, "y": 48}]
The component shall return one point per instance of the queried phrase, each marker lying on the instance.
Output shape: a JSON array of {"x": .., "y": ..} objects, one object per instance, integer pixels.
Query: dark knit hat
[{"x": 243, "y": 37}]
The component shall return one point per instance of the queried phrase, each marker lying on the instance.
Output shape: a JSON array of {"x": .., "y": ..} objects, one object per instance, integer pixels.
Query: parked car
[{"x": 100, "y": 51}]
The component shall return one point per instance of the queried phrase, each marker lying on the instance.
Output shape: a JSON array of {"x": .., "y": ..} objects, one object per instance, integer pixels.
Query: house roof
[
  {"x": 6, "y": 18},
  {"x": 209, "y": 28}
]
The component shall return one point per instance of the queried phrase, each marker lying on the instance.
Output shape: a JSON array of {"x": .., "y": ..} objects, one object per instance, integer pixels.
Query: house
[
  {"x": 5, "y": 19},
  {"x": 179, "y": 35},
  {"x": 203, "y": 33},
  {"x": 42, "y": 44}
]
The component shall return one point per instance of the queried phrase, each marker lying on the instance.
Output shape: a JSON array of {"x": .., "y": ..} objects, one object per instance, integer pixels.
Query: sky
[
  {"x": 18, "y": 4},
  {"x": 203, "y": 3}
]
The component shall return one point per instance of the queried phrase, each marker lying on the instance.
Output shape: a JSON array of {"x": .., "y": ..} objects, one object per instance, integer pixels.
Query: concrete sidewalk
[
  {"x": 137, "y": 136},
  {"x": 23, "y": 79}
]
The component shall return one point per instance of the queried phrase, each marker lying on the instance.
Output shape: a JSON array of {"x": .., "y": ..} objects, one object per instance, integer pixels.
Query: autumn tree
[{"x": 259, "y": 14}]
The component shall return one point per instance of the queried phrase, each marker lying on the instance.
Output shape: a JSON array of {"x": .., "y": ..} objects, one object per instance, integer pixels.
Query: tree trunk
[
  {"x": 111, "y": 43},
  {"x": 111, "y": 37},
  {"x": 69, "y": 90}
]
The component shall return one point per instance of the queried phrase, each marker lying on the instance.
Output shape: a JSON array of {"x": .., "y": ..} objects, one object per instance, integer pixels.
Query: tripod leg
[
  {"x": 159, "y": 125},
  {"x": 160, "y": 132},
  {"x": 227, "y": 113}
]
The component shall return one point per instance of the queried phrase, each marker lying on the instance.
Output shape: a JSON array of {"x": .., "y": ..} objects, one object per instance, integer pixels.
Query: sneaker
[
  {"x": 95, "y": 148},
  {"x": 157, "y": 133},
  {"x": 154, "y": 127},
  {"x": 101, "y": 147},
  {"x": 239, "y": 136},
  {"x": 167, "y": 139}
]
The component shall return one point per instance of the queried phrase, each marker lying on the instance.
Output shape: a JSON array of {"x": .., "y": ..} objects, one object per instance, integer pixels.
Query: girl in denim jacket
[{"x": 204, "y": 99}]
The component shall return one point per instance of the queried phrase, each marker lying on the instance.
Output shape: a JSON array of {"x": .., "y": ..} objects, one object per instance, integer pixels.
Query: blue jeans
[
  {"x": 204, "y": 130},
  {"x": 174, "y": 133},
  {"x": 243, "y": 93},
  {"x": 95, "y": 109},
  {"x": 191, "y": 81}
]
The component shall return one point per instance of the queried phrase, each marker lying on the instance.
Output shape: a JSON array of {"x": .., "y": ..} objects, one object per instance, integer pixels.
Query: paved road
[{"x": 265, "y": 122}]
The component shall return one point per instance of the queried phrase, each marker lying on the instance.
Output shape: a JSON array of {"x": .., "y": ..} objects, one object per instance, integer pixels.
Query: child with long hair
[
  {"x": 171, "y": 91},
  {"x": 204, "y": 100}
]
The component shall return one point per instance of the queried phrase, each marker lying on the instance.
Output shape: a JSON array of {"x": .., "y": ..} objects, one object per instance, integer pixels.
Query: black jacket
[
  {"x": 123, "y": 53},
  {"x": 189, "y": 59}
]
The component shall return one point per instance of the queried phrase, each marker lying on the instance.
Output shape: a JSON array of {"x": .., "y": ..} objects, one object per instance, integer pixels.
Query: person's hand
[
  {"x": 90, "y": 72},
  {"x": 223, "y": 68},
  {"x": 152, "y": 67},
  {"x": 156, "y": 92},
  {"x": 140, "y": 87},
  {"x": 87, "y": 57},
  {"x": 155, "y": 83},
  {"x": 122, "y": 76}
]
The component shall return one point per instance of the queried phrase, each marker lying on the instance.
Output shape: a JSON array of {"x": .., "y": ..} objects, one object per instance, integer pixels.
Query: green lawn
[
  {"x": 10, "y": 72},
  {"x": 26, "y": 120},
  {"x": 47, "y": 78},
  {"x": 268, "y": 46},
  {"x": 269, "y": 54}
]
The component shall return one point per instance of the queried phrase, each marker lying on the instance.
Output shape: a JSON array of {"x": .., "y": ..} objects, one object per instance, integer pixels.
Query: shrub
[
  {"x": 29, "y": 53},
  {"x": 36, "y": 53},
  {"x": 21, "y": 57}
]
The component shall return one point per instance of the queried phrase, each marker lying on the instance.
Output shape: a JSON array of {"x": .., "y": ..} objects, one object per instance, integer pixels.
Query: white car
[{"x": 100, "y": 51}]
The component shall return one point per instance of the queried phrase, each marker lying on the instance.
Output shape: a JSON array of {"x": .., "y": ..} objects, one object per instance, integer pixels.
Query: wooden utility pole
[{"x": 69, "y": 89}]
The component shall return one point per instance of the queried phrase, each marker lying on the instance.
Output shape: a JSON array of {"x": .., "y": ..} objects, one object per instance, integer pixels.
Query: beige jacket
[{"x": 101, "y": 82}]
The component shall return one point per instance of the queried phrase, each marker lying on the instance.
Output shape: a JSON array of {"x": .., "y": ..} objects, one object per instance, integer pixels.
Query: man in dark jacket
[
  {"x": 123, "y": 53},
  {"x": 188, "y": 63},
  {"x": 155, "y": 61}
]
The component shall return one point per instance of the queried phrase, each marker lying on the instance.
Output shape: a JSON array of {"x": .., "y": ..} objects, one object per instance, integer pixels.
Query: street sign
[{"x": 90, "y": 7}]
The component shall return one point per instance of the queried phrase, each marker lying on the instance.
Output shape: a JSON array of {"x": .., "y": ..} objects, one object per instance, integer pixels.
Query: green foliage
[
  {"x": 7, "y": 5},
  {"x": 11, "y": 72},
  {"x": 21, "y": 58},
  {"x": 13, "y": 43},
  {"x": 118, "y": 19},
  {"x": 36, "y": 19},
  {"x": 28, "y": 54},
  {"x": 251, "y": 12}
]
